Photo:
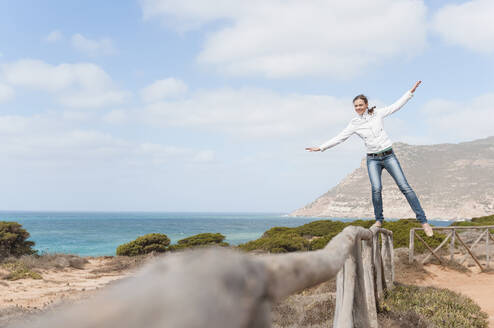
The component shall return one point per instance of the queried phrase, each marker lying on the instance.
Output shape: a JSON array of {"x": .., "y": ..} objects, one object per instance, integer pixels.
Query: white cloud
[
  {"x": 91, "y": 98},
  {"x": 467, "y": 24},
  {"x": 161, "y": 89},
  {"x": 53, "y": 36},
  {"x": 52, "y": 140},
  {"x": 449, "y": 120},
  {"x": 116, "y": 116},
  {"x": 75, "y": 85},
  {"x": 276, "y": 39},
  {"x": 252, "y": 113},
  {"x": 6, "y": 93},
  {"x": 76, "y": 116},
  {"x": 204, "y": 156},
  {"x": 93, "y": 48}
]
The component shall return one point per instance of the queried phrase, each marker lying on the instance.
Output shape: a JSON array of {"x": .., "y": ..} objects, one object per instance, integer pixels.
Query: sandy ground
[
  {"x": 478, "y": 286},
  {"x": 31, "y": 296},
  {"x": 21, "y": 298}
]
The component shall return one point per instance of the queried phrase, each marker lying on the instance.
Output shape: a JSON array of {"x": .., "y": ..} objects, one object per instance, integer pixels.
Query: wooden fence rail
[
  {"x": 223, "y": 288},
  {"x": 452, "y": 237}
]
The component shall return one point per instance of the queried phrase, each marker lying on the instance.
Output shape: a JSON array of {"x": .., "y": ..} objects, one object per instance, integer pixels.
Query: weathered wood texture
[
  {"x": 453, "y": 236},
  {"x": 223, "y": 288},
  {"x": 367, "y": 271}
]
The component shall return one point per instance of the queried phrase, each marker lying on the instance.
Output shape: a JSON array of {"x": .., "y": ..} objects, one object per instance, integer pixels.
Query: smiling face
[{"x": 360, "y": 106}]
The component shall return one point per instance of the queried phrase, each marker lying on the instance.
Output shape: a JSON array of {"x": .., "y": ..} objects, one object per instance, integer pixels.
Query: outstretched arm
[
  {"x": 388, "y": 110},
  {"x": 342, "y": 136}
]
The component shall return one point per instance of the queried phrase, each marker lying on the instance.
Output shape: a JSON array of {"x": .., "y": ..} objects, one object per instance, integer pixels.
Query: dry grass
[
  {"x": 18, "y": 270},
  {"x": 442, "y": 307},
  {"x": 406, "y": 272},
  {"x": 122, "y": 263},
  {"x": 408, "y": 319},
  {"x": 312, "y": 307},
  {"x": 49, "y": 261}
]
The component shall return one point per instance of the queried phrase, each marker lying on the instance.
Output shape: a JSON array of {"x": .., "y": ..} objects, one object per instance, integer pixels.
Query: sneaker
[
  {"x": 377, "y": 224},
  {"x": 428, "y": 230}
]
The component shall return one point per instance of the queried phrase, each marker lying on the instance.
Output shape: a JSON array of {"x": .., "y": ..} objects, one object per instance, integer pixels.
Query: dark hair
[{"x": 364, "y": 98}]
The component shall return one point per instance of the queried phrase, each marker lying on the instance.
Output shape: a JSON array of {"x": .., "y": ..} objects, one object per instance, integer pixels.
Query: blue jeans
[{"x": 375, "y": 165}]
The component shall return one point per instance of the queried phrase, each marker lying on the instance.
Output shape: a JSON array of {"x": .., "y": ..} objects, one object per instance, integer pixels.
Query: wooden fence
[
  {"x": 452, "y": 237},
  {"x": 220, "y": 288}
]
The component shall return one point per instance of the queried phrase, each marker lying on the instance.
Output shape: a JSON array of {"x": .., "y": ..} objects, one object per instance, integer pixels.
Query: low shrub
[
  {"x": 281, "y": 242},
  {"x": 18, "y": 270},
  {"x": 53, "y": 261},
  {"x": 13, "y": 240},
  {"x": 153, "y": 242},
  {"x": 317, "y": 234},
  {"x": 441, "y": 307},
  {"x": 320, "y": 228},
  {"x": 479, "y": 221},
  {"x": 275, "y": 230},
  {"x": 484, "y": 220},
  {"x": 310, "y": 236},
  {"x": 200, "y": 240},
  {"x": 401, "y": 234},
  {"x": 320, "y": 243}
]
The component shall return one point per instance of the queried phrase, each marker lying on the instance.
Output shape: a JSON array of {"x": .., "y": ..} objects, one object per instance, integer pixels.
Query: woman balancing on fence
[{"x": 368, "y": 125}]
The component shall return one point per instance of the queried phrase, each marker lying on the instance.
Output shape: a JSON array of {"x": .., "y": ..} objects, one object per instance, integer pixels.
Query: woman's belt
[{"x": 381, "y": 154}]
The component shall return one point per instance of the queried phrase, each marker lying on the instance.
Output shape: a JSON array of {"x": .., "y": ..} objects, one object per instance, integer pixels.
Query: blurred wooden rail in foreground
[{"x": 221, "y": 288}]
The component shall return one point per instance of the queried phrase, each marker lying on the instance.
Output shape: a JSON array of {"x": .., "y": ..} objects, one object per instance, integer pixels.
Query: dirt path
[
  {"x": 478, "y": 286},
  {"x": 30, "y": 296}
]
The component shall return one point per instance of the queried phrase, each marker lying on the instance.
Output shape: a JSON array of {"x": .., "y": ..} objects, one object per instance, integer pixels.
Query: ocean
[{"x": 99, "y": 233}]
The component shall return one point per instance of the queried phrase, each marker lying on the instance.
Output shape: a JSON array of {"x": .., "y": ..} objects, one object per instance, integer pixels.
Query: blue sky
[{"x": 164, "y": 105}]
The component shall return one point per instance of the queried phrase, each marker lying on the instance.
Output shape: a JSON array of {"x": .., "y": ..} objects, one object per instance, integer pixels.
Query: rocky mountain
[{"x": 452, "y": 181}]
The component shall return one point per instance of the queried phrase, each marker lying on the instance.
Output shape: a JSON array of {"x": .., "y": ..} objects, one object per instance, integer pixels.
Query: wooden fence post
[
  {"x": 345, "y": 291},
  {"x": 370, "y": 287},
  {"x": 487, "y": 255},
  {"x": 452, "y": 245},
  {"x": 387, "y": 260},
  {"x": 378, "y": 266},
  {"x": 355, "y": 291}
]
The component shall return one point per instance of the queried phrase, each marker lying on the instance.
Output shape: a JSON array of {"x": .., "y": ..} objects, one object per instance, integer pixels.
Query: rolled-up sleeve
[
  {"x": 385, "y": 111},
  {"x": 342, "y": 136}
]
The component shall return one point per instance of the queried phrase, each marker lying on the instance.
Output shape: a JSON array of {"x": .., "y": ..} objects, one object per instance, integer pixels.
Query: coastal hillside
[{"x": 452, "y": 181}]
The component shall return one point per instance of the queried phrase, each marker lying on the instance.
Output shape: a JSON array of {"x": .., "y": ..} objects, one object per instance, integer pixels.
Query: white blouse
[{"x": 369, "y": 128}]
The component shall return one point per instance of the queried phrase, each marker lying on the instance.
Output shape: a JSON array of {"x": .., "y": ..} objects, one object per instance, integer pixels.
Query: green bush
[
  {"x": 200, "y": 240},
  {"x": 401, "y": 234},
  {"x": 320, "y": 228},
  {"x": 480, "y": 221},
  {"x": 275, "y": 230},
  {"x": 336, "y": 228},
  {"x": 442, "y": 307},
  {"x": 320, "y": 243},
  {"x": 153, "y": 242},
  {"x": 282, "y": 242},
  {"x": 484, "y": 220},
  {"x": 317, "y": 234},
  {"x": 302, "y": 238},
  {"x": 13, "y": 240},
  {"x": 18, "y": 270}
]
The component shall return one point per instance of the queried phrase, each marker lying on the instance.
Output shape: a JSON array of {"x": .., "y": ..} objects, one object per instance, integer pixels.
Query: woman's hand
[
  {"x": 313, "y": 149},
  {"x": 415, "y": 86}
]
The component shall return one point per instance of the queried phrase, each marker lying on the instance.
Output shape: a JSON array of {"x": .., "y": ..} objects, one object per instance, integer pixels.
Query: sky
[{"x": 192, "y": 105}]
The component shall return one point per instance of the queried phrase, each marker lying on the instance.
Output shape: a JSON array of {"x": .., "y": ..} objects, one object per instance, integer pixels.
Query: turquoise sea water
[{"x": 99, "y": 233}]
